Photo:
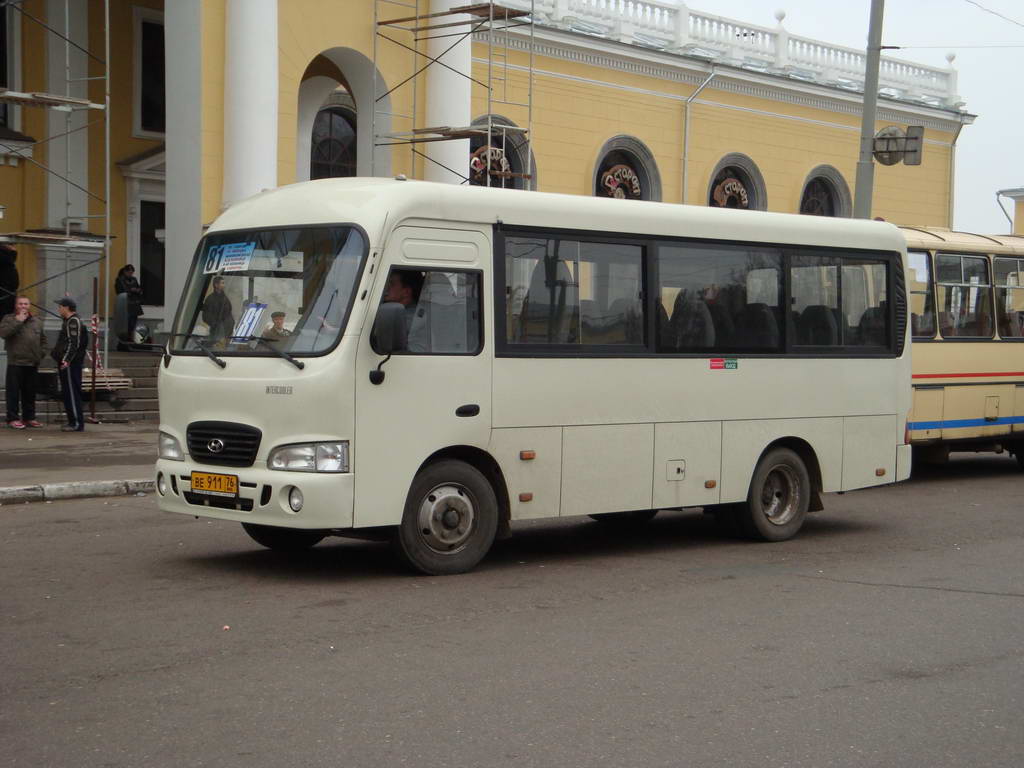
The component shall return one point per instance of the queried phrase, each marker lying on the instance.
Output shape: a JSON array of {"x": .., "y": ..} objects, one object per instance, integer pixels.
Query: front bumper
[{"x": 262, "y": 496}]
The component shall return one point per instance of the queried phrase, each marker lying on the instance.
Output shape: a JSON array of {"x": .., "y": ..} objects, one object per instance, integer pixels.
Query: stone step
[
  {"x": 136, "y": 373},
  {"x": 137, "y": 392}
]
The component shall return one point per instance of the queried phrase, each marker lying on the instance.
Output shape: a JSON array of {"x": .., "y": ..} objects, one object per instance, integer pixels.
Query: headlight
[
  {"x": 169, "y": 448},
  {"x": 310, "y": 457}
]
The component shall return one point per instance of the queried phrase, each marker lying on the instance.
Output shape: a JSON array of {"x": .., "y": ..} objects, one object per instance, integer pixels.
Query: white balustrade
[{"x": 672, "y": 26}]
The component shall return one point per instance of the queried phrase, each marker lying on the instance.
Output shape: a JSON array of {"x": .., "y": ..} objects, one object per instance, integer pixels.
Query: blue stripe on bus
[{"x": 961, "y": 423}]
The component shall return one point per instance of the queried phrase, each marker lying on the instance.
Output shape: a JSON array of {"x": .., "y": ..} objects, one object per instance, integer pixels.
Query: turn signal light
[{"x": 527, "y": 455}]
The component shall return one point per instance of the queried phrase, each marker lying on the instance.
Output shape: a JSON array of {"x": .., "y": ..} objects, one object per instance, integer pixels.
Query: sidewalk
[{"x": 104, "y": 460}]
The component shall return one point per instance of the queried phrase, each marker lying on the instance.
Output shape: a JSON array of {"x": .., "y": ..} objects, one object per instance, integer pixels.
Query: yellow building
[{"x": 211, "y": 101}]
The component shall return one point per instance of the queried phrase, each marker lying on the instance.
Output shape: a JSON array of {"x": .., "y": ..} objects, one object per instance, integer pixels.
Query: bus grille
[{"x": 237, "y": 443}]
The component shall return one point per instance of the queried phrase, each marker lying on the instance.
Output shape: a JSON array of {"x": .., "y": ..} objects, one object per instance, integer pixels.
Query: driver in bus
[
  {"x": 404, "y": 286},
  {"x": 277, "y": 333}
]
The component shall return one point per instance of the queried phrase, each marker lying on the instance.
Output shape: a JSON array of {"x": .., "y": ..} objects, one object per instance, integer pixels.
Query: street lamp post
[{"x": 865, "y": 165}]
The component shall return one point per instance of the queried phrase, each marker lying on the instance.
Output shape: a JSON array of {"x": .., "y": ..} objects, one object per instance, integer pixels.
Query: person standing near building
[
  {"x": 25, "y": 342},
  {"x": 128, "y": 284},
  {"x": 9, "y": 279},
  {"x": 72, "y": 344}
]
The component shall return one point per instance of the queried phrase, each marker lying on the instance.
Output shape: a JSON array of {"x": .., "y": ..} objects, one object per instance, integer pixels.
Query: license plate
[{"x": 215, "y": 485}]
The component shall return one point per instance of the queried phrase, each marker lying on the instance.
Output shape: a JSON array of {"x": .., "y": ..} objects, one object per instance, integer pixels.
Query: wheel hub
[
  {"x": 447, "y": 518},
  {"x": 780, "y": 495}
]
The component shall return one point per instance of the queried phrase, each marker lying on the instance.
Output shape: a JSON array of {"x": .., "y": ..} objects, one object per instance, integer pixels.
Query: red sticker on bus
[{"x": 717, "y": 363}]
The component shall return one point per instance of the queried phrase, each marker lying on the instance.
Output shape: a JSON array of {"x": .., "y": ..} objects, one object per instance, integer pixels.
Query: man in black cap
[
  {"x": 277, "y": 333},
  {"x": 72, "y": 344}
]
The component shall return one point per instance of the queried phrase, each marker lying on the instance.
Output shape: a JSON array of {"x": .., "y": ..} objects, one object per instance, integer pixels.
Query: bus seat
[
  {"x": 722, "y": 322},
  {"x": 817, "y": 326},
  {"x": 757, "y": 327},
  {"x": 550, "y": 305},
  {"x": 439, "y": 324},
  {"x": 871, "y": 329},
  {"x": 691, "y": 326}
]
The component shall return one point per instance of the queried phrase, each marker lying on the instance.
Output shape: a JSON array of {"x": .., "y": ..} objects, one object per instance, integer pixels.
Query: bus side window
[
  {"x": 442, "y": 310},
  {"x": 447, "y": 316}
]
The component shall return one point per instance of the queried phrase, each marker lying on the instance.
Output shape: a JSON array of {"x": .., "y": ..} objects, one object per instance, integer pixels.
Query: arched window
[
  {"x": 626, "y": 169},
  {"x": 825, "y": 193},
  {"x": 737, "y": 183},
  {"x": 505, "y": 159},
  {"x": 333, "y": 150}
]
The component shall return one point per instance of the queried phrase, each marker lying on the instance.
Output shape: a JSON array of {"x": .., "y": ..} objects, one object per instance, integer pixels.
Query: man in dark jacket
[
  {"x": 72, "y": 344},
  {"x": 217, "y": 312},
  {"x": 9, "y": 280},
  {"x": 25, "y": 342}
]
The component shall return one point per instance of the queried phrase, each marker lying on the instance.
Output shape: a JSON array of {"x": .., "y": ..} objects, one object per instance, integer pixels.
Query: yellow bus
[{"x": 967, "y": 323}]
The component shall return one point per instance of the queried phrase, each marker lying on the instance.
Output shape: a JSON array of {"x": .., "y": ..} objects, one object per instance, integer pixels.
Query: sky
[{"x": 990, "y": 152}]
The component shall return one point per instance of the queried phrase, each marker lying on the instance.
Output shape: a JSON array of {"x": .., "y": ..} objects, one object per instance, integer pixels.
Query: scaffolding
[
  {"x": 71, "y": 238},
  {"x": 492, "y": 23}
]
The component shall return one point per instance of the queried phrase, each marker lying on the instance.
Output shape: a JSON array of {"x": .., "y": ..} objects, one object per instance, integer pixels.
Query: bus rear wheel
[
  {"x": 282, "y": 539},
  {"x": 450, "y": 519},
  {"x": 780, "y": 492}
]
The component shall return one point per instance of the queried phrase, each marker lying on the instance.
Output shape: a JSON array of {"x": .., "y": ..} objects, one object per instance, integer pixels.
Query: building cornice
[{"x": 612, "y": 55}]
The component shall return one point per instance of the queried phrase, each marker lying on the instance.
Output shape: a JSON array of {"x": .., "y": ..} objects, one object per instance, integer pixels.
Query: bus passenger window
[
  {"x": 865, "y": 307},
  {"x": 922, "y": 303},
  {"x": 719, "y": 298},
  {"x": 1009, "y": 297},
  {"x": 964, "y": 296},
  {"x": 572, "y": 292},
  {"x": 814, "y": 303}
]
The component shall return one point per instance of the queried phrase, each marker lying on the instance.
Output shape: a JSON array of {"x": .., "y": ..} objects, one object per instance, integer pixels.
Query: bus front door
[{"x": 436, "y": 392}]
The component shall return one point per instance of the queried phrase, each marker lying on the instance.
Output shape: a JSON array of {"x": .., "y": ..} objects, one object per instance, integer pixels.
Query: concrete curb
[{"x": 84, "y": 489}]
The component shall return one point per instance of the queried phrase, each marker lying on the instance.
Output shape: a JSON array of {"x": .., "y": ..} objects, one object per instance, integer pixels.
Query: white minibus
[{"x": 431, "y": 363}]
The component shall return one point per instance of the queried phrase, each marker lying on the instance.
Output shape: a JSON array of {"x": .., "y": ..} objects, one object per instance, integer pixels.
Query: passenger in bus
[
  {"x": 217, "y": 312},
  {"x": 404, "y": 287},
  {"x": 277, "y": 333}
]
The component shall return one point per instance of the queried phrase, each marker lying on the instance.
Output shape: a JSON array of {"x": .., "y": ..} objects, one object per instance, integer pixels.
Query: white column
[
  {"x": 448, "y": 98},
  {"x": 184, "y": 224},
  {"x": 67, "y": 155},
  {"x": 250, "y": 98}
]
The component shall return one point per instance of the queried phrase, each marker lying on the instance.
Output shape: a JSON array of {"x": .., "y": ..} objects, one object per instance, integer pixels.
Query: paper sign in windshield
[
  {"x": 230, "y": 257},
  {"x": 250, "y": 321}
]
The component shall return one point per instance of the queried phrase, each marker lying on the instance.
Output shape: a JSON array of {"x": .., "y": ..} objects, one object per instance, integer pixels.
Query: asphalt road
[{"x": 889, "y": 633}]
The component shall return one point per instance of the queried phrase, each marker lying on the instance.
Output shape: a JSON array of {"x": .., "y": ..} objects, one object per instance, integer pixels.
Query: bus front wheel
[
  {"x": 450, "y": 519},
  {"x": 779, "y": 496},
  {"x": 282, "y": 539}
]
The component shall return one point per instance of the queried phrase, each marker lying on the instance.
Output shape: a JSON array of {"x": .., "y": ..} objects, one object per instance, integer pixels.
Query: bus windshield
[{"x": 264, "y": 292}]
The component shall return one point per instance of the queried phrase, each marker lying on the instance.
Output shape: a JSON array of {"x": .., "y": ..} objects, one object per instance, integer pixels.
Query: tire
[
  {"x": 282, "y": 539},
  {"x": 780, "y": 492},
  {"x": 450, "y": 519},
  {"x": 636, "y": 517}
]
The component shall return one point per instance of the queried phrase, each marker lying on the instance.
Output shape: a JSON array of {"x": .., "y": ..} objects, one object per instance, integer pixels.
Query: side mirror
[{"x": 389, "y": 334}]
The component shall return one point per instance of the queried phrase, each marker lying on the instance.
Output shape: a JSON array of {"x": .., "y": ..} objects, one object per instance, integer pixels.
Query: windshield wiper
[
  {"x": 199, "y": 340},
  {"x": 269, "y": 344}
]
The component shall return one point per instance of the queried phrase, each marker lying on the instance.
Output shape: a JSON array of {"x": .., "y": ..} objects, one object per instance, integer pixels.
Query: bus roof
[
  {"x": 940, "y": 239},
  {"x": 374, "y": 203}
]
